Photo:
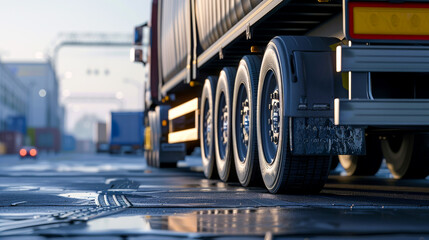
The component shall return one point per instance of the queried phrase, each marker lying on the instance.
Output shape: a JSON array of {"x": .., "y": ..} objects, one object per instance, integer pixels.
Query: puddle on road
[
  {"x": 275, "y": 220},
  {"x": 202, "y": 185},
  {"x": 41, "y": 166},
  {"x": 119, "y": 223},
  {"x": 20, "y": 188},
  {"x": 236, "y": 221}
]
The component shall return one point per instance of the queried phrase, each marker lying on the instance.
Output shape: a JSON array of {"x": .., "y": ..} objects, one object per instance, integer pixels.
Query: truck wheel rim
[
  {"x": 242, "y": 123},
  {"x": 395, "y": 143},
  {"x": 223, "y": 126},
  {"x": 207, "y": 129},
  {"x": 270, "y": 121}
]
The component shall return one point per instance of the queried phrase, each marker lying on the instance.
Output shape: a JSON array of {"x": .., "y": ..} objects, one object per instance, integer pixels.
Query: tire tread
[{"x": 305, "y": 174}]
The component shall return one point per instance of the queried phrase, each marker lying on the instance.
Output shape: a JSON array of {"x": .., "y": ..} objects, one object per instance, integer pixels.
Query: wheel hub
[
  {"x": 225, "y": 125},
  {"x": 245, "y": 121},
  {"x": 208, "y": 127},
  {"x": 274, "y": 119}
]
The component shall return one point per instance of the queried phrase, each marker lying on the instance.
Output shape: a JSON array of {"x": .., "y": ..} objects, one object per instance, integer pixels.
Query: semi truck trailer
[
  {"x": 126, "y": 135},
  {"x": 272, "y": 91}
]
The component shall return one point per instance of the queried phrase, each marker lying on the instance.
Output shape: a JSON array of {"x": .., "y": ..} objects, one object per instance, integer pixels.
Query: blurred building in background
[
  {"x": 13, "y": 111},
  {"x": 42, "y": 83},
  {"x": 44, "y": 116},
  {"x": 13, "y": 97},
  {"x": 62, "y": 119}
]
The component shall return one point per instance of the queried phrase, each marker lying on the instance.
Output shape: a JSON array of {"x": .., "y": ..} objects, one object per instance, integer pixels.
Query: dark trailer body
[{"x": 277, "y": 89}]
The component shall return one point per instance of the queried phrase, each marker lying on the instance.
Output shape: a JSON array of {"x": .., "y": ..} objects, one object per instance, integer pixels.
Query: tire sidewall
[
  {"x": 244, "y": 168},
  {"x": 399, "y": 162},
  {"x": 272, "y": 173},
  {"x": 349, "y": 163},
  {"x": 223, "y": 164},
  {"x": 152, "y": 138},
  {"x": 208, "y": 159}
]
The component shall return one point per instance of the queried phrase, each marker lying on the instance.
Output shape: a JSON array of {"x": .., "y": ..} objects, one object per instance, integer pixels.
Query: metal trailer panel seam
[{"x": 239, "y": 28}]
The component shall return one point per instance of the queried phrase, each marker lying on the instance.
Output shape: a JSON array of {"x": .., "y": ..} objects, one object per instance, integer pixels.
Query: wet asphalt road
[{"x": 72, "y": 196}]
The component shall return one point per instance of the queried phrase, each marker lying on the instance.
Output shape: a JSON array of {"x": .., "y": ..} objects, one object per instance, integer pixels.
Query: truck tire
[
  {"x": 244, "y": 121},
  {"x": 222, "y": 124},
  {"x": 155, "y": 135},
  {"x": 147, "y": 154},
  {"x": 367, "y": 165},
  {"x": 334, "y": 162},
  {"x": 206, "y": 127},
  {"x": 163, "y": 154},
  {"x": 406, "y": 155},
  {"x": 281, "y": 171}
]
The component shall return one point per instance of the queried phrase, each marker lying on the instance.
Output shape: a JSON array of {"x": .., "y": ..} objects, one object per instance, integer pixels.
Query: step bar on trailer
[
  {"x": 186, "y": 135},
  {"x": 381, "y": 112},
  {"x": 362, "y": 58}
]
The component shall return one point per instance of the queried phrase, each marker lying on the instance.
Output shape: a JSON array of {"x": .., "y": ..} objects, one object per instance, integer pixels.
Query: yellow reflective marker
[
  {"x": 147, "y": 143},
  {"x": 390, "y": 21}
]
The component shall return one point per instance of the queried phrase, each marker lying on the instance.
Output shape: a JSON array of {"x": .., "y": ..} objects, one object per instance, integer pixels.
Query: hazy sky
[{"x": 28, "y": 27}]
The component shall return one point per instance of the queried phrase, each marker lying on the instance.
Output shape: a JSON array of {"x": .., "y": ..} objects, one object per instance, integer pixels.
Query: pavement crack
[{"x": 17, "y": 203}]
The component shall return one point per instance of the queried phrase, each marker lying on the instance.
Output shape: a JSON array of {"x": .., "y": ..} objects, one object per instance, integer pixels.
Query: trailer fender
[
  {"x": 309, "y": 85},
  {"x": 309, "y": 74}
]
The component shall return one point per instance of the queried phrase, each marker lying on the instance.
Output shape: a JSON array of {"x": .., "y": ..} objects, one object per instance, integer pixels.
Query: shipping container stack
[
  {"x": 12, "y": 141},
  {"x": 45, "y": 139}
]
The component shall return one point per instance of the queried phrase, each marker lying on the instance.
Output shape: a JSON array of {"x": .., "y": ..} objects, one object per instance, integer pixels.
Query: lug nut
[
  {"x": 269, "y": 106},
  {"x": 271, "y": 96},
  {"x": 271, "y": 139},
  {"x": 269, "y": 121},
  {"x": 270, "y": 133}
]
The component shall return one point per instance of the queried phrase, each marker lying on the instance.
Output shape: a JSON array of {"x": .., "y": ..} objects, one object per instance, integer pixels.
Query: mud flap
[{"x": 319, "y": 136}]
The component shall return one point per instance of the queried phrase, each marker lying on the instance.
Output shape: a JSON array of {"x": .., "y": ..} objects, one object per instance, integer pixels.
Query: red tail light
[
  {"x": 22, "y": 152},
  {"x": 33, "y": 152}
]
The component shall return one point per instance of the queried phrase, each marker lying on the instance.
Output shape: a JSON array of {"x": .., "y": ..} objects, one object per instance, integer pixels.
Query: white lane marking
[
  {"x": 126, "y": 201},
  {"x": 106, "y": 201},
  {"x": 116, "y": 200},
  {"x": 97, "y": 202}
]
